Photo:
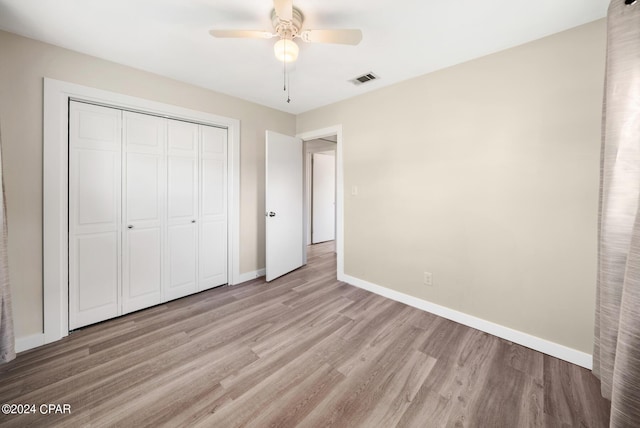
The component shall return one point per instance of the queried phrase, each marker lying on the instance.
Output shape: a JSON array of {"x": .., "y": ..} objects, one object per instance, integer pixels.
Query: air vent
[{"x": 364, "y": 79}]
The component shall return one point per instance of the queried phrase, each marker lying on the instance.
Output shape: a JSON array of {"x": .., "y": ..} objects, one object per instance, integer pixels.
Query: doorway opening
[
  {"x": 320, "y": 189},
  {"x": 331, "y": 133},
  {"x": 287, "y": 216}
]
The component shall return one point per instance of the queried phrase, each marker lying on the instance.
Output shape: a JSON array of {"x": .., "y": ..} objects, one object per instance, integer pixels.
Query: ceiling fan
[{"x": 287, "y": 23}]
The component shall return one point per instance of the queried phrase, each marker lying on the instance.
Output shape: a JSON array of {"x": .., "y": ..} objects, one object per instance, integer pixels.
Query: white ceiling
[{"x": 401, "y": 39}]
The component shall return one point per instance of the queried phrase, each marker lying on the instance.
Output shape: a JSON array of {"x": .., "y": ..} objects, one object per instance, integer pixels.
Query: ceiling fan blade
[
  {"x": 343, "y": 37},
  {"x": 243, "y": 34},
  {"x": 284, "y": 9}
]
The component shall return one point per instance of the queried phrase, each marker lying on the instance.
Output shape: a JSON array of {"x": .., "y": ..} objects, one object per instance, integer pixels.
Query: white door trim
[
  {"x": 322, "y": 133},
  {"x": 55, "y": 187}
]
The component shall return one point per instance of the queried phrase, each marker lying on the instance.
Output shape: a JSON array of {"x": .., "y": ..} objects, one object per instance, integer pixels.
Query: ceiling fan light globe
[{"x": 286, "y": 50}]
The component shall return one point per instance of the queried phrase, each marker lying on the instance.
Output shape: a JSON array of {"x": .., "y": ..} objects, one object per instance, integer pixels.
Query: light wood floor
[{"x": 304, "y": 350}]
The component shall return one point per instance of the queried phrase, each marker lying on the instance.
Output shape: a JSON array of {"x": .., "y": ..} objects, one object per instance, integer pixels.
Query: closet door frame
[{"x": 57, "y": 95}]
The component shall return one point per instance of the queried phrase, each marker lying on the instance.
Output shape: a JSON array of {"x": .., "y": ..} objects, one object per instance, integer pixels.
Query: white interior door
[
  {"x": 213, "y": 207},
  {"x": 144, "y": 198},
  {"x": 323, "y": 197},
  {"x": 94, "y": 213},
  {"x": 182, "y": 209},
  {"x": 284, "y": 204}
]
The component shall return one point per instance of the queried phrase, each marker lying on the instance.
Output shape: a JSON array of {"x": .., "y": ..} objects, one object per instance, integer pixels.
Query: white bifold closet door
[
  {"x": 182, "y": 209},
  {"x": 144, "y": 204},
  {"x": 147, "y": 211},
  {"x": 95, "y": 142},
  {"x": 213, "y": 208}
]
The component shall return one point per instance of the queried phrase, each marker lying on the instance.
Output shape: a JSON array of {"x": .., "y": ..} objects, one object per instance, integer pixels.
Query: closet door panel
[
  {"x": 144, "y": 188},
  {"x": 182, "y": 138},
  {"x": 214, "y": 141},
  {"x": 182, "y": 209},
  {"x": 144, "y": 133},
  {"x": 182, "y": 261},
  {"x": 97, "y": 271},
  {"x": 213, "y": 207},
  {"x": 144, "y": 266},
  {"x": 144, "y": 200},
  {"x": 94, "y": 127},
  {"x": 94, "y": 213},
  {"x": 182, "y": 188},
  {"x": 213, "y": 254},
  {"x": 95, "y": 190},
  {"x": 214, "y": 187}
]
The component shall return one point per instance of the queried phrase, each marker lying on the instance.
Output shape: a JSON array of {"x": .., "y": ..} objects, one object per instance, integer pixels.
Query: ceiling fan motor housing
[{"x": 287, "y": 29}]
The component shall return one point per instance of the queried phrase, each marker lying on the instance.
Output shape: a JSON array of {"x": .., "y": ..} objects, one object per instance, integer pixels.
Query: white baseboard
[
  {"x": 545, "y": 346},
  {"x": 29, "y": 342},
  {"x": 248, "y": 276}
]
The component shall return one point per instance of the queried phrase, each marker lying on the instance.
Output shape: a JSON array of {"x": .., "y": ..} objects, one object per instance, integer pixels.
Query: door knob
[
  {"x": 193, "y": 221},
  {"x": 272, "y": 214},
  {"x": 130, "y": 226}
]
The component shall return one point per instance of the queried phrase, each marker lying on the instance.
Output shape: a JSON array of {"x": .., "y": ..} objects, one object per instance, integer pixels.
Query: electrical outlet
[{"x": 428, "y": 279}]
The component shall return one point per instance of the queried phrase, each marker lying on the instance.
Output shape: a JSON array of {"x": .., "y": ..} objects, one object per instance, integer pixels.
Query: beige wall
[
  {"x": 485, "y": 174},
  {"x": 23, "y": 65}
]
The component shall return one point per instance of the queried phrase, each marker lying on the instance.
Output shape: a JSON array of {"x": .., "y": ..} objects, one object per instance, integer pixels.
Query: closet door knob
[
  {"x": 193, "y": 221},
  {"x": 130, "y": 226}
]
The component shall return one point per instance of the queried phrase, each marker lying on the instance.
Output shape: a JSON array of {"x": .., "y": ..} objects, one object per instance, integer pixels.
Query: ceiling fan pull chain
[
  {"x": 288, "y": 87},
  {"x": 285, "y": 75}
]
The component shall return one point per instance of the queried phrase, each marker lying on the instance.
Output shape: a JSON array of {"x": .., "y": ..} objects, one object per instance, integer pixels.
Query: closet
[{"x": 147, "y": 211}]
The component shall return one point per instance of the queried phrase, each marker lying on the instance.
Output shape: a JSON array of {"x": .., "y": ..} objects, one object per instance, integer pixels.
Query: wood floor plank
[
  {"x": 65, "y": 384},
  {"x": 522, "y": 359},
  {"x": 532, "y": 404},
  {"x": 572, "y": 395},
  {"x": 447, "y": 338},
  {"x": 286, "y": 333},
  {"x": 303, "y": 350},
  {"x": 368, "y": 343},
  {"x": 495, "y": 403},
  {"x": 264, "y": 396},
  {"x": 166, "y": 391},
  {"x": 363, "y": 388},
  {"x": 293, "y": 406},
  {"x": 239, "y": 383},
  {"x": 400, "y": 390},
  {"x": 428, "y": 409},
  {"x": 454, "y": 374}
]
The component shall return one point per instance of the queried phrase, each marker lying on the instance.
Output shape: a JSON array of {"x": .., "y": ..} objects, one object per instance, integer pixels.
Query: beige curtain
[
  {"x": 7, "y": 340},
  {"x": 616, "y": 356}
]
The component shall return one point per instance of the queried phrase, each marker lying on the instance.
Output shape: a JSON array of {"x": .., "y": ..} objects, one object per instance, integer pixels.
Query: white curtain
[
  {"x": 616, "y": 357},
  {"x": 7, "y": 339}
]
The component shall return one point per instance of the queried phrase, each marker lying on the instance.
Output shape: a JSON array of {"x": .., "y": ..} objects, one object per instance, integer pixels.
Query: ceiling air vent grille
[{"x": 364, "y": 79}]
